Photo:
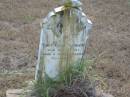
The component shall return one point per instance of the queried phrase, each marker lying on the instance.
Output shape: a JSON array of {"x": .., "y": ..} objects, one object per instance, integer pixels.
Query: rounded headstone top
[{"x": 72, "y": 3}]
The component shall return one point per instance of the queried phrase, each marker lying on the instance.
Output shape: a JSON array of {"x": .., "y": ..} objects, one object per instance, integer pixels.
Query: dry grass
[{"x": 11, "y": 81}]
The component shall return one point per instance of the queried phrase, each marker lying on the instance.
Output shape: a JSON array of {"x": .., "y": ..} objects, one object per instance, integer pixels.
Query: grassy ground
[
  {"x": 13, "y": 80},
  {"x": 109, "y": 42}
]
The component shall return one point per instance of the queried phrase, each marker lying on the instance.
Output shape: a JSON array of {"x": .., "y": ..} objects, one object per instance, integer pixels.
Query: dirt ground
[{"x": 109, "y": 42}]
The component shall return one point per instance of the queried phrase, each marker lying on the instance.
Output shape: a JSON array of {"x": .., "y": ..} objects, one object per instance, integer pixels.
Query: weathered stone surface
[
  {"x": 63, "y": 40},
  {"x": 18, "y": 93},
  {"x": 14, "y": 92}
]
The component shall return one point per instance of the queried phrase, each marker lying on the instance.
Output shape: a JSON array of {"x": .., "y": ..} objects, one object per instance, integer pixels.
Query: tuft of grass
[
  {"x": 47, "y": 86},
  {"x": 29, "y": 18}
]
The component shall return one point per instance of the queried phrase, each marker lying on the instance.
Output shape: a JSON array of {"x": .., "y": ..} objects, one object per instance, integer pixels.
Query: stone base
[
  {"x": 14, "y": 93},
  {"x": 18, "y": 93}
]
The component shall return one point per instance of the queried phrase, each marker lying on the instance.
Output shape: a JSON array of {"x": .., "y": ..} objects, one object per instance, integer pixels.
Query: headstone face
[{"x": 63, "y": 40}]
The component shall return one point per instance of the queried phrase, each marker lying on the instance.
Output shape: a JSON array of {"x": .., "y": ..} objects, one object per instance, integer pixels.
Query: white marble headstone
[{"x": 63, "y": 40}]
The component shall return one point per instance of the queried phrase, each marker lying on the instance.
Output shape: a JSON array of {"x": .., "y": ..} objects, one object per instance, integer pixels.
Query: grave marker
[{"x": 63, "y": 39}]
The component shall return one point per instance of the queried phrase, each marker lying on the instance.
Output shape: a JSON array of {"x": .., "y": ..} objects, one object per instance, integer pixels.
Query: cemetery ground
[{"x": 109, "y": 43}]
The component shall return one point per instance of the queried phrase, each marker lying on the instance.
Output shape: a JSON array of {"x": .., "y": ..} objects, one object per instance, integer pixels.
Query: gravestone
[{"x": 63, "y": 39}]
